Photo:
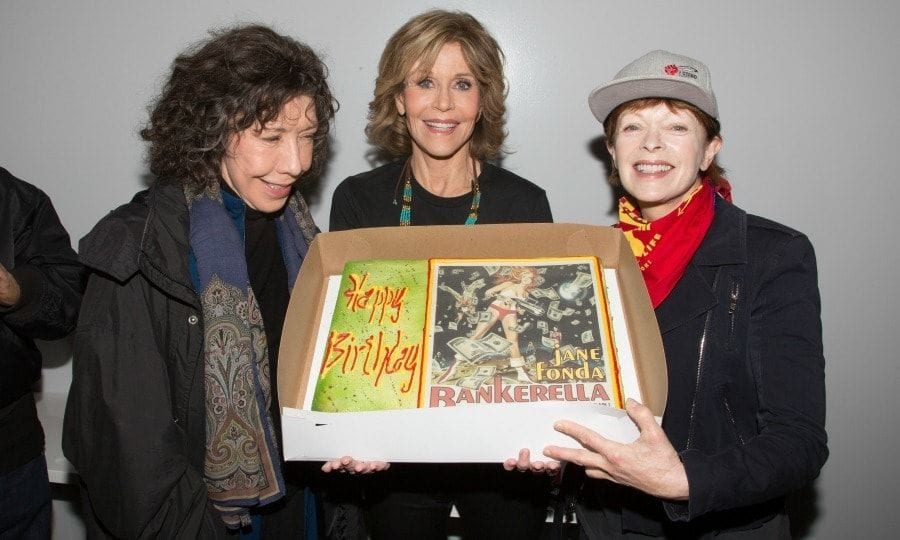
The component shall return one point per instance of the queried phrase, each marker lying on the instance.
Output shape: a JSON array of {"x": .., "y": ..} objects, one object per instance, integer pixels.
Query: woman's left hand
[
  {"x": 349, "y": 465},
  {"x": 649, "y": 464},
  {"x": 523, "y": 464}
]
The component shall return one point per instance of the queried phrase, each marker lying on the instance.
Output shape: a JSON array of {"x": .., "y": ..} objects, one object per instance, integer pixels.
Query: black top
[
  {"x": 374, "y": 199},
  {"x": 268, "y": 278}
]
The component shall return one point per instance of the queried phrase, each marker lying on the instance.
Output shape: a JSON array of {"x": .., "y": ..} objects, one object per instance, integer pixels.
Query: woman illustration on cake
[
  {"x": 737, "y": 302},
  {"x": 438, "y": 115},
  {"x": 173, "y": 420},
  {"x": 504, "y": 307}
]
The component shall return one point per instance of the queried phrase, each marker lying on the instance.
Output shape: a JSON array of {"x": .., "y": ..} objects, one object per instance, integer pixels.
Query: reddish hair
[
  {"x": 516, "y": 273},
  {"x": 713, "y": 129}
]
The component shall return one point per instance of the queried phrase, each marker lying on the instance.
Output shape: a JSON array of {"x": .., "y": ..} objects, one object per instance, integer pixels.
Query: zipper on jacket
[
  {"x": 734, "y": 295},
  {"x": 731, "y": 419},
  {"x": 701, "y": 354}
]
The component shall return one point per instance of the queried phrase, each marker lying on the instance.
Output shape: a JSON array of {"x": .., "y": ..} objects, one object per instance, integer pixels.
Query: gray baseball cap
[{"x": 657, "y": 74}]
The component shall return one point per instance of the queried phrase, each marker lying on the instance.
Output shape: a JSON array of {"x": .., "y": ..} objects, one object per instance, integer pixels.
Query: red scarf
[{"x": 665, "y": 246}]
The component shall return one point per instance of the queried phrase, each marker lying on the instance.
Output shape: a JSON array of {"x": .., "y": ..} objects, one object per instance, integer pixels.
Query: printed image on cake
[
  {"x": 518, "y": 331},
  {"x": 448, "y": 332}
]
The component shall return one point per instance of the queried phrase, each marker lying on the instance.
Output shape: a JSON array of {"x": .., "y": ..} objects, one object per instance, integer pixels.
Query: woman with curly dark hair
[{"x": 172, "y": 420}]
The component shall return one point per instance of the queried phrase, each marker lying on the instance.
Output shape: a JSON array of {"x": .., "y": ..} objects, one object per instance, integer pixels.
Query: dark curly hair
[{"x": 239, "y": 78}]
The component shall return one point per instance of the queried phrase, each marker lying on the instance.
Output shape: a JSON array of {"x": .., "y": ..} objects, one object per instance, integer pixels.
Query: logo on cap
[{"x": 689, "y": 72}]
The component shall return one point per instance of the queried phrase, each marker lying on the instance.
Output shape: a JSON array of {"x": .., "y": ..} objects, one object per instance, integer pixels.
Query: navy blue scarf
[{"x": 242, "y": 468}]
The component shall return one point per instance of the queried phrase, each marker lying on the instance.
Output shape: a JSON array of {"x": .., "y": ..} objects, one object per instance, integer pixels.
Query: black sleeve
[
  {"x": 541, "y": 211},
  {"x": 48, "y": 273},
  {"x": 346, "y": 212}
]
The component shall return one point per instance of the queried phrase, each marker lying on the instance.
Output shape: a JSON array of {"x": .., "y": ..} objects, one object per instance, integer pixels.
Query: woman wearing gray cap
[{"x": 737, "y": 302}]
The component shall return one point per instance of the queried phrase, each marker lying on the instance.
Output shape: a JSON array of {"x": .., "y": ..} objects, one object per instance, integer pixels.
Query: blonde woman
[{"x": 437, "y": 117}]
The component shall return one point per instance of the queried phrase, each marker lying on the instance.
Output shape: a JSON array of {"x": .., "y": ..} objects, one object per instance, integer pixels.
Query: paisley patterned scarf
[
  {"x": 242, "y": 467},
  {"x": 664, "y": 247}
]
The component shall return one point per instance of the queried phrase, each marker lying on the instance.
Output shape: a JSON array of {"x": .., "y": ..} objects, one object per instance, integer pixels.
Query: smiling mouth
[
  {"x": 441, "y": 126},
  {"x": 278, "y": 188},
  {"x": 652, "y": 168}
]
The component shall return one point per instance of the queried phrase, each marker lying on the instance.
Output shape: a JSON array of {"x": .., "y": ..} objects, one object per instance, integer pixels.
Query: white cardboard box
[{"x": 485, "y": 433}]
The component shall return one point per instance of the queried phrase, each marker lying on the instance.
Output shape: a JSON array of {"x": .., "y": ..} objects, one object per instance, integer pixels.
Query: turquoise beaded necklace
[{"x": 406, "y": 209}]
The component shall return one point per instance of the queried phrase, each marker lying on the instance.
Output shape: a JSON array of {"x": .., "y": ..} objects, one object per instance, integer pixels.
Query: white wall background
[{"x": 808, "y": 99}]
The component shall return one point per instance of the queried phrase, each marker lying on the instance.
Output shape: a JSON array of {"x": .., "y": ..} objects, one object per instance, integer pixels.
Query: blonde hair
[{"x": 421, "y": 40}]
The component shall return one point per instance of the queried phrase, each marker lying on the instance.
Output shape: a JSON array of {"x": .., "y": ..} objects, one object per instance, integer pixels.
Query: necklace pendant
[{"x": 406, "y": 209}]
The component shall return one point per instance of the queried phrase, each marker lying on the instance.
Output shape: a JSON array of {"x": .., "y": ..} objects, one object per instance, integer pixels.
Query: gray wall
[{"x": 807, "y": 95}]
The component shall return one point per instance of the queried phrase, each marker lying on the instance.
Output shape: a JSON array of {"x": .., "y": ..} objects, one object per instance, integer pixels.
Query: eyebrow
[
  {"x": 311, "y": 129},
  {"x": 430, "y": 73}
]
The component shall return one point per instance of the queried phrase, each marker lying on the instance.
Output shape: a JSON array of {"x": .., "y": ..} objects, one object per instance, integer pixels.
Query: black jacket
[
  {"x": 746, "y": 405},
  {"x": 134, "y": 425},
  {"x": 35, "y": 248}
]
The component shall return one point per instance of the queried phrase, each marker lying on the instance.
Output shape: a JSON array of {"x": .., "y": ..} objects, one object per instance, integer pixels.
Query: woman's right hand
[{"x": 349, "y": 465}]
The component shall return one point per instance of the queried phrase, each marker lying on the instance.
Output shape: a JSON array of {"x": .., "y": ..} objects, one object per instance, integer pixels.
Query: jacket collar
[
  {"x": 726, "y": 241},
  {"x": 724, "y": 244},
  {"x": 147, "y": 235},
  {"x": 164, "y": 245}
]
